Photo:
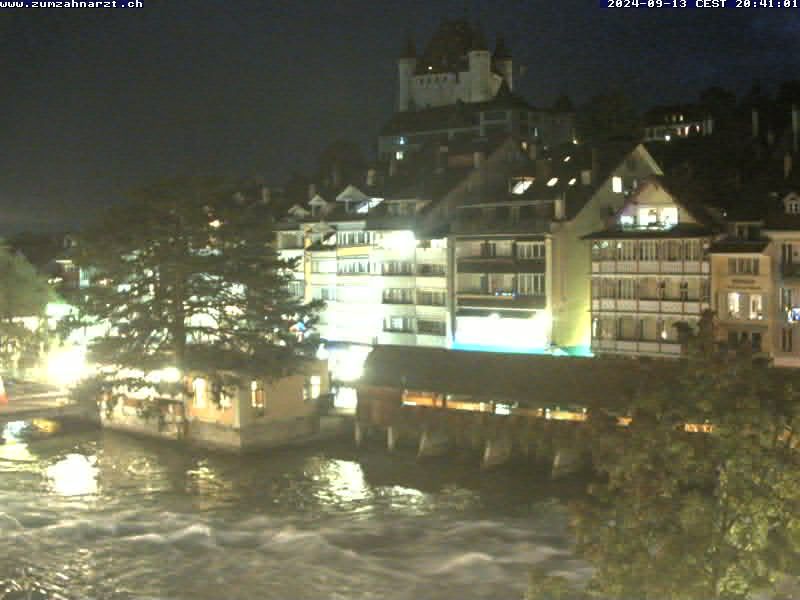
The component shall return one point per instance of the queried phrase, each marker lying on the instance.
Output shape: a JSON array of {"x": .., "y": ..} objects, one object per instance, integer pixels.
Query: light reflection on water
[{"x": 108, "y": 516}]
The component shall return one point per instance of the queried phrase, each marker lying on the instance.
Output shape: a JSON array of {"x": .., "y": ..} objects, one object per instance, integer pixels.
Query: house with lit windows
[
  {"x": 519, "y": 261},
  {"x": 650, "y": 272}
]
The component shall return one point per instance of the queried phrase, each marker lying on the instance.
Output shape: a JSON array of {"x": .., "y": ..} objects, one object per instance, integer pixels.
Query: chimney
[
  {"x": 477, "y": 159},
  {"x": 709, "y": 125},
  {"x": 795, "y": 127},
  {"x": 371, "y": 175},
  {"x": 266, "y": 195},
  {"x": 787, "y": 165},
  {"x": 312, "y": 190},
  {"x": 755, "y": 122}
]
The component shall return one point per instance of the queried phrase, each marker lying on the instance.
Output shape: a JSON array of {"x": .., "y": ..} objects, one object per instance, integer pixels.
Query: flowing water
[{"x": 89, "y": 514}]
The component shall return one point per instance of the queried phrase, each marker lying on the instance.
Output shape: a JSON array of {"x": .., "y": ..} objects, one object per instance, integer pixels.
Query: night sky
[{"x": 93, "y": 103}]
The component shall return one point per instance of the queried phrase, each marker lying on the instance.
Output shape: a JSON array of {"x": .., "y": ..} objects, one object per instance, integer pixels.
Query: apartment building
[
  {"x": 650, "y": 273},
  {"x": 520, "y": 263}
]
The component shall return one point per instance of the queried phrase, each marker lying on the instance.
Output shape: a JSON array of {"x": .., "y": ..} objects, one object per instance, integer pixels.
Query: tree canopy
[
  {"x": 686, "y": 515},
  {"x": 186, "y": 275},
  {"x": 24, "y": 293}
]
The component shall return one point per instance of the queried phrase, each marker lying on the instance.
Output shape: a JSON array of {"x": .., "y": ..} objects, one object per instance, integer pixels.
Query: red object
[{"x": 3, "y": 395}]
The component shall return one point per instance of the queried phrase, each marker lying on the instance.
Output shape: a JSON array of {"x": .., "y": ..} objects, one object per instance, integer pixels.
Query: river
[{"x": 91, "y": 514}]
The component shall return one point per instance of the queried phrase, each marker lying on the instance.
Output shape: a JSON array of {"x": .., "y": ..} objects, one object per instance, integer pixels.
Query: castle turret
[
  {"x": 480, "y": 65},
  {"x": 406, "y": 65},
  {"x": 502, "y": 62}
]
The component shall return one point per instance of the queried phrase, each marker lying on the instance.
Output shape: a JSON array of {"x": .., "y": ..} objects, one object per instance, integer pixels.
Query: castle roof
[{"x": 447, "y": 49}]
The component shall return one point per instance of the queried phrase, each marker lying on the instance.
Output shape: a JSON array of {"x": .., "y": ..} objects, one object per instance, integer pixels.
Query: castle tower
[
  {"x": 480, "y": 66},
  {"x": 406, "y": 65},
  {"x": 502, "y": 62}
]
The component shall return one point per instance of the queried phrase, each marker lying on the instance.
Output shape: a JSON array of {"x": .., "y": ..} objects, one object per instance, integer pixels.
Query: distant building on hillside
[
  {"x": 666, "y": 123},
  {"x": 458, "y": 89}
]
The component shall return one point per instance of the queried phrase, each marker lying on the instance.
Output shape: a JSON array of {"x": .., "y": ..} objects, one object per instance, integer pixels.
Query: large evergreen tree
[{"x": 185, "y": 275}]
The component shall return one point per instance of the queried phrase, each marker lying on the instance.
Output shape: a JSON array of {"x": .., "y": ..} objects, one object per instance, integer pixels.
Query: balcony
[
  {"x": 500, "y": 264},
  {"x": 482, "y": 299},
  {"x": 637, "y": 347},
  {"x": 644, "y": 305},
  {"x": 651, "y": 267}
]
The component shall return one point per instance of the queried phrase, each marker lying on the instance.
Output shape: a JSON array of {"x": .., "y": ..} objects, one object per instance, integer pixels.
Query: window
[
  {"x": 755, "y": 339},
  {"x": 426, "y": 327},
  {"x": 648, "y": 251},
  {"x": 692, "y": 250},
  {"x": 396, "y": 267},
  {"x": 786, "y": 299},
  {"x": 324, "y": 293},
  {"x": 399, "y": 324},
  {"x": 616, "y": 184},
  {"x": 398, "y": 296},
  {"x": 787, "y": 339},
  {"x": 793, "y": 207},
  {"x": 312, "y": 388},
  {"x": 674, "y": 250},
  {"x": 200, "y": 392},
  {"x": 430, "y": 270},
  {"x": 353, "y": 266},
  {"x": 684, "y": 291},
  {"x": 530, "y": 250},
  {"x": 431, "y": 297},
  {"x": 531, "y": 284},
  {"x": 626, "y": 289},
  {"x": 257, "y": 397},
  {"x": 626, "y": 250},
  {"x": 756, "y": 307},
  {"x": 787, "y": 254},
  {"x": 733, "y": 304},
  {"x": 353, "y": 238},
  {"x": 399, "y": 155},
  {"x": 518, "y": 186},
  {"x": 296, "y": 289},
  {"x": 743, "y": 266}
]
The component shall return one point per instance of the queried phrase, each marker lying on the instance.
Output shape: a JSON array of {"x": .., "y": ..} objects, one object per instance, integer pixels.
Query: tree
[
  {"x": 23, "y": 298},
  {"x": 186, "y": 275},
  {"x": 684, "y": 515}
]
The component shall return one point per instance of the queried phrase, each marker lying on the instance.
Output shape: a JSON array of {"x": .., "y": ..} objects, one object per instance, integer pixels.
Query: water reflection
[{"x": 74, "y": 475}]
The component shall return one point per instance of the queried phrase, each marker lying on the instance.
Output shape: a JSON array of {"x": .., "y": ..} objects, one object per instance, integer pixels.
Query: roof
[
  {"x": 447, "y": 49},
  {"x": 531, "y": 380}
]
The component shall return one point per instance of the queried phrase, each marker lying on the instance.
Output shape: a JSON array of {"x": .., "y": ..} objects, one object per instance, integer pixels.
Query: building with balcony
[
  {"x": 650, "y": 273},
  {"x": 520, "y": 264}
]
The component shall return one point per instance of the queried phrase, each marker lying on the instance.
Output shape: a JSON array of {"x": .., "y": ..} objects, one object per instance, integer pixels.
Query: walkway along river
[{"x": 89, "y": 514}]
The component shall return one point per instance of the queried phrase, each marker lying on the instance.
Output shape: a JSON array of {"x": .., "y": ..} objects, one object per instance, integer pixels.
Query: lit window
[
  {"x": 572, "y": 181},
  {"x": 257, "y": 397},
  {"x": 520, "y": 185},
  {"x": 733, "y": 304},
  {"x": 199, "y": 386},
  {"x": 626, "y": 220},
  {"x": 552, "y": 182},
  {"x": 401, "y": 140},
  {"x": 399, "y": 155},
  {"x": 215, "y": 223},
  {"x": 756, "y": 306},
  {"x": 667, "y": 137},
  {"x": 616, "y": 184},
  {"x": 567, "y": 158},
  {"x": 313, "y": 388},
  {"x": 793, "y": 207}
]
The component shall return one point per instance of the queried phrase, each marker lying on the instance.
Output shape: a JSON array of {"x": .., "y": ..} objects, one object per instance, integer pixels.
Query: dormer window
[
  {"x": 518, "y": 186},
  {"x": 793, "y": 207}
]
